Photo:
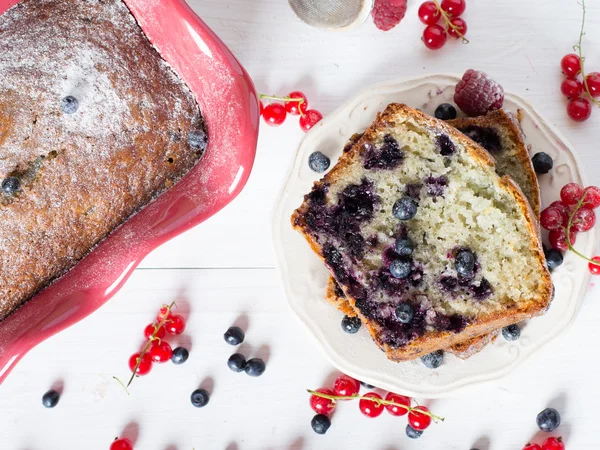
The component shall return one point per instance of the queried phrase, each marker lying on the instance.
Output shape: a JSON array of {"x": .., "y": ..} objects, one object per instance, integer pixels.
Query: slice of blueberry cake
[{"x": 430, "y": 246}]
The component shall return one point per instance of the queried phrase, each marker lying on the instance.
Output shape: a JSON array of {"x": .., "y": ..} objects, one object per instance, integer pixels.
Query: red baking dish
[{"x": 230, "y": 108}]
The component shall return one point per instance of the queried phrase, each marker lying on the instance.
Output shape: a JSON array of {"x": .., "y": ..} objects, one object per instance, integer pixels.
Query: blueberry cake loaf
[
  {"x": 93, "y": 126},
  {"x": 429, "y": 245}
]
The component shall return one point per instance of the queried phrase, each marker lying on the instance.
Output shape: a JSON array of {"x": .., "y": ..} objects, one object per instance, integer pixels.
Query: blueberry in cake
[
  {"x": 93, "y": 126},
  {"x": 462, "y": 206}
]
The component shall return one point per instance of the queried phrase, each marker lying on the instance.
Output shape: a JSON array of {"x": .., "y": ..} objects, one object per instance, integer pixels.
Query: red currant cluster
[
  {"x": 564, "y": 223},
  {"x": 295, "y": 104},
  {"x": 430, "y": 13},
  {"x": 156, "y": 350},
  {"x": 324, "y": 400},
  {"x": 551, "y": 443}
]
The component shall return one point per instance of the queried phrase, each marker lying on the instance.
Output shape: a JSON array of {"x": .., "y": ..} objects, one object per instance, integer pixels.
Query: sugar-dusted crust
[
  {"x": 522, "y": 167},
  {"x": 82, "y": 174},
  {"x": 535, "y": 304}
]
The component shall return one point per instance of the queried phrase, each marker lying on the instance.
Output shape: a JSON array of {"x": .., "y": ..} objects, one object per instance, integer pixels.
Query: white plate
[{"x": 304, "y": 275}]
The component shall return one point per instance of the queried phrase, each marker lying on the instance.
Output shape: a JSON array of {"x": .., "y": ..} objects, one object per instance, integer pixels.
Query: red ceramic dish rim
[{"x": 229, "y": 105}]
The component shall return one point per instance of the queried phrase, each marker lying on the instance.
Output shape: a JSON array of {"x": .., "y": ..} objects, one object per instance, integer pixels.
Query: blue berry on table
[
  {"x": 351, "y": 325},
  {"x": 405, "y": 246},
  {"x": 433, "y": 360},
  {"x": 542, "y": 162},
  {"x": 198, "y": 140},
  {"x": 180, "y": 355},
  {"x": 445, "y": 112},
  {"x": 237, "y": 362},
  {"x": 50, "y": 399},
  {"x": 234, "y": 336},
  {"x": 412, "y": 433},
  {"x": 320, "y": 423},
  {"x": 404, "y": 312},
  {"x": 511, "y": 332},
  {"x": 554, "y": 258},
  {"x": 400, "y": 268},
  {"x": 548, "y": 420},
  {"x": 69, "y": 104},
  {"x": 255, "y": 367},
  {"x": 405, "y": 208},
  {"x": 318, "y": 162},
  {"x": 465, "y": 263},
  {"x": 11, "y": 185},
  {"x": 200, "y": 398}
]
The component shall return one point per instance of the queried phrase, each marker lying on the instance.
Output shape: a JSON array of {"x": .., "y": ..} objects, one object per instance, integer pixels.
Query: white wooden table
[{"x": 224, "y": 269}]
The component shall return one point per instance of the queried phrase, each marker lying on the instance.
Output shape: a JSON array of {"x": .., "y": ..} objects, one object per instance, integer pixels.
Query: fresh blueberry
[
  {"x": 445, "y": 112},
  {"x": 554, "y": 258},
  {"x": 198, "y": 139},
  {"x": 548, "y": 420},
  {"x": 400, "y": 268},
  {"x": 412, "y": 433},
  {"x": 200, "y": 398},
  {"x": 69, "y": 104},
  {"x": 433, "y": 360},
  {"x": 542, "y": 162},
  {"x": 255, "y": 367},
  {"x": 465, "y": 263},
  {"x": 318, "y": 162},
  {"x": 351, "y": 325},
  {"x": 320, "y": 423},
  {"x": 11, "y": 185},
  {"x": 405, "y": 246},
  {"x": 405, "y": 208},
  {"x": 236, "y": 362},
  {"x": 366, "y": 385},
  {"x": 50, "y": 399},
  {"x": 180, "y": 355},
  {"x": 511, "y": 332},
  {"x": 234, "y": 336},
  {"x": 404, "y": 312}
]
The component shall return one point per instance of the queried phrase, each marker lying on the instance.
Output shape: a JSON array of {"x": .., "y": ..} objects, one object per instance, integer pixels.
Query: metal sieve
[{"x": 332, "y": 14}]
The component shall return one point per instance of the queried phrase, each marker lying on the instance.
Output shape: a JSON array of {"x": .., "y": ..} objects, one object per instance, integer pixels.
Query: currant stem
[
  {"x": 377, "y": 401},
  {"x": 300, "y": 100},
  {"x": 449, "y": 23},
  {"x": 579, "y": 49},
  {"x": 568, "y": 232}
]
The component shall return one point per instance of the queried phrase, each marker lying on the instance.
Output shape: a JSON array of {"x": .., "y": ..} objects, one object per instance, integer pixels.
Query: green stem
[
  {"x": 449, "y": 23},
  {"x": 579, "y": 49},
  {"x": 568, "y": 231},
  {"x": 376, "y": 401},
  {"x": 299, "y": 100}
]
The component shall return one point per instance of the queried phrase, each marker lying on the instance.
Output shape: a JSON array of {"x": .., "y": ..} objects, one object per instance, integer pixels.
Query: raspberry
[
  {"x": 551, "y": 218},
  {"x": 583, "y": 219},
  {"x": 477, "y": 94},
  {"x": 571, "y": 193},
  {"x": 388, "y": 13},
  {"x": 592, "y": 197}
]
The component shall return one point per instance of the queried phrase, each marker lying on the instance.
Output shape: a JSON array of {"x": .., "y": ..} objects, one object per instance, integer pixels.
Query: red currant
[
  {"x": 370, "y": 408},
  {"x": 145, "y": 364},
  {"x": 295, "y": 107},
  {"x": 417, "y": 420},
  {"x": 584, "y": 219},
  {"x": 532, "y": 447},
  {"x": 461, "y": 27},
  {"x": 553, "y": 443},
  {"x": 160, "y": 351},
  {"x": 163, "y": 312},
  {"x": 149, "y": 331},
  {"x": 595, "y": 268},
  {"x": 551, "y": 218},
  {"x": 346, "y": 386},
  {"x": 564, "y": 209},
  {"x": 592, "y": 197},
  {"x": 579, "y": 109},
  {"x": 396, "y": 398},
  {"x": 310, "y": 119},
  {"x": 593, "y": 83},
  {"x": 121, "y": 444},
  {"x": 454, "y": 8},
  {"x": 434, "y": 37},
  {"x": 570, "y": 65},
  {"x": 429, "y": 13},
  {"x": 175, "y": 324},
  {"x": 558, "y": 239},
  {"x": 571, "y": 193},
  {"x": 274, "y": 114},
  {"x": 571, "y": 88},
  {"x": 322, "y": 405}
]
